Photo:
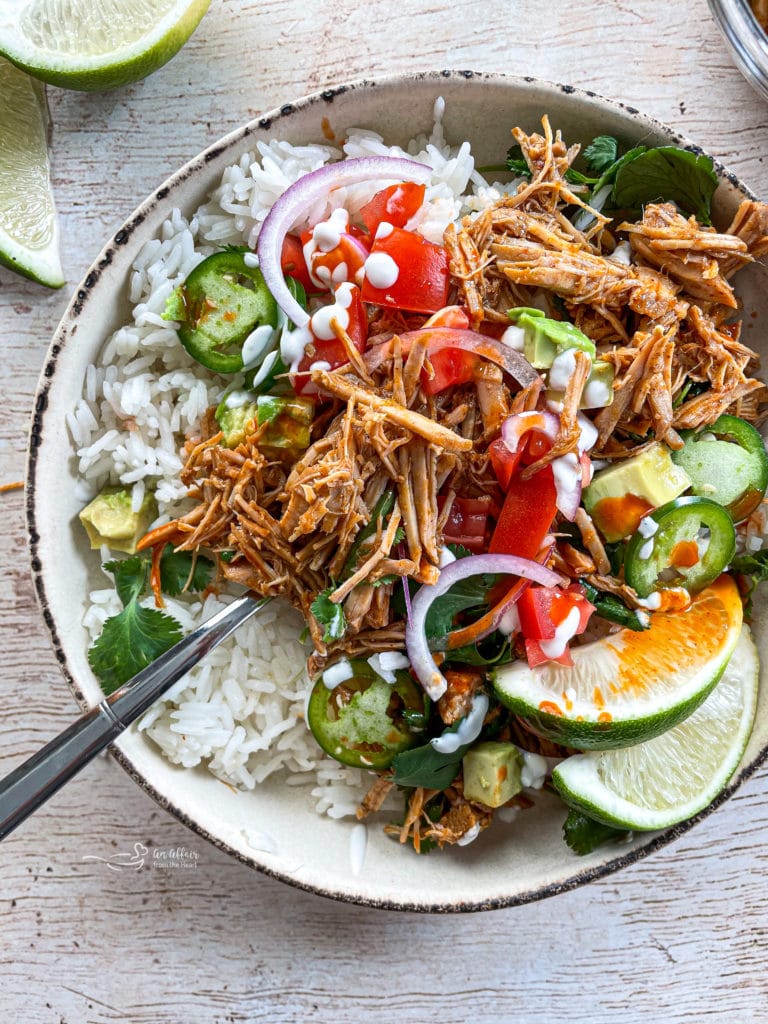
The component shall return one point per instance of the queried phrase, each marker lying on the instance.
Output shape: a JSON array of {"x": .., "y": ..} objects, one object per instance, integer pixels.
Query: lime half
[
  {"x": 29, "y": 234},
  {"x": 95, "y": 44},
  {"x": 668, "y": 779},
  {"x": 628, "y": 687}
]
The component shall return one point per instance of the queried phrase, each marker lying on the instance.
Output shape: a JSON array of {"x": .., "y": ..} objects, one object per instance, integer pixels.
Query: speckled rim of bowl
[{"x": 233, "y": 141}]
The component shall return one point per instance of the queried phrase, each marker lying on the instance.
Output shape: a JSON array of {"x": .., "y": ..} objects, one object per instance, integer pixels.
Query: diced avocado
[
  {"x": 598, "y": 391},
  {"x": 110, "y": 520},
  {"x": 492, "y": 773},
  {"x": 289, "y": 421},
  {"x": 234, "y": 419},
  {"x": 545, "y": 339},
  {"x": 619, "y": 497}
]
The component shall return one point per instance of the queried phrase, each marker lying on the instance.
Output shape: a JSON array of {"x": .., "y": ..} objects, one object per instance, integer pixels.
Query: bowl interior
[{"x": 509, "y": 863}]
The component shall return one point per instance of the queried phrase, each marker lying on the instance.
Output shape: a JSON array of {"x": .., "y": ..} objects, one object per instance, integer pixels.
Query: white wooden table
[{"x": 682, "y": 936}]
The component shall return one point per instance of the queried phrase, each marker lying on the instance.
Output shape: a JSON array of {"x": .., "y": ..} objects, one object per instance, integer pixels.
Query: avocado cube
[
  {"x": 492, "y": 773},
  {"x": 110, "y": 520},
  {"x": 233, "y": 421},
  {"x": 288, "y": 421},
  {"x": 619, "y": 496}
]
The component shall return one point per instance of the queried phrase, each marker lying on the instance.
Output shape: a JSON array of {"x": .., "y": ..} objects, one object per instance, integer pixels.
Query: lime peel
[
  {"x": 629, "y": 687},
  {"x": 670, "y": 778},
  {"x": 29, "y": 232},
  {"x": 96, "y": 44}
]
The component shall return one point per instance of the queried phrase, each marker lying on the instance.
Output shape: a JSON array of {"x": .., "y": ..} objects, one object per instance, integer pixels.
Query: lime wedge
[
  {"x": 95, "y": 44},
  {"x": 29, "y": 234},
  {"x": 668, "y": 779},
  {"x": 628, "y": 687}
]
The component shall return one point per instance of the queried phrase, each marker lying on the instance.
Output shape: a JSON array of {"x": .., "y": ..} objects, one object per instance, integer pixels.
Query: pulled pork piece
[
  {"x": 689, "y": 253},
  {"x": 750, "y": 225},
  {"x": 457, "y": 699},
  {"x": 375, "y": 797}
]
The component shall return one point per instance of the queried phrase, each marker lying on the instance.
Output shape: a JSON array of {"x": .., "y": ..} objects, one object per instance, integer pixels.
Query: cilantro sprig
[
  {"x": 583, "y": 834},
  {"x": 137, "y": 636}
]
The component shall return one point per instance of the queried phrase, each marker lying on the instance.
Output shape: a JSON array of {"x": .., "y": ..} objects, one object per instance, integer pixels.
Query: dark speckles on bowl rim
[{"x": 571, "y": 874}]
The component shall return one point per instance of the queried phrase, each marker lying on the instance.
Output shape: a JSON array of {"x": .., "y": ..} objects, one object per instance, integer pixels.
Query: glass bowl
[{"x": 747, "y": 40}]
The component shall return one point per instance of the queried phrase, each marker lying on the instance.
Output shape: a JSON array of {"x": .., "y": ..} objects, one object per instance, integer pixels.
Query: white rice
[{"x": 240, "y": 713}]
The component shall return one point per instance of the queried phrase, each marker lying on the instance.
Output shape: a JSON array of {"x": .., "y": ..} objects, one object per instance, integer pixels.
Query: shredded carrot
[{"x": 154, "y": 575}]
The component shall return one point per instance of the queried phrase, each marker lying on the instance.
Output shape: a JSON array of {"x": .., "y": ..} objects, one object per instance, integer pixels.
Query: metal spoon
[{"x": 37, "y": 779}]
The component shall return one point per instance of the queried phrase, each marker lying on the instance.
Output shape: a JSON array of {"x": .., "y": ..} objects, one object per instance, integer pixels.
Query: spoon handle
[{"x": 37, "y": 779}]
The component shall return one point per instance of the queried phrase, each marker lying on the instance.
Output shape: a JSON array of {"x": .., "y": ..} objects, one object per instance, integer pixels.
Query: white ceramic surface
[{"x": 508, "y": 864}]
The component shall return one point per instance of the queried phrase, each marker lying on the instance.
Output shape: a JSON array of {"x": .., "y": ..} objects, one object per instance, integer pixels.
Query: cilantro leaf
[
  {"x": 379, "y": 515},
  {"x": 384, "y": 581},
  {"x": 425, "y": 766},
  {"x": 178, "y": 567},
  {"x": 130, "y": 577},
  {"x": 129, "y": 642},
  {"x": 329, "y": 615},
  {"x": 601, "y": 153},
  {"x": 612, "y": 608},
  {"x": 584, "y": 834},
  {"x": 753, "y": 567},
  {"x": 516, "y": 163},
  {"x": 670, "y": 174},
  {"x": 467, "y": 593}
]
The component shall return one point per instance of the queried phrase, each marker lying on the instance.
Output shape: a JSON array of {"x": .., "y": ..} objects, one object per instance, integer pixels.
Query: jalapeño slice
[
  {"x": 686, "y": 543},
  {"x": 364, "y": 721},
  {"x": 726, "y": 462},
  {"x": 222, "y": 301}
]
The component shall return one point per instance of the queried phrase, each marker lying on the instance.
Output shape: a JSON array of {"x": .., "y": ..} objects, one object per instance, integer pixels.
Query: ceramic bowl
[{"x": 510, "y": 863}]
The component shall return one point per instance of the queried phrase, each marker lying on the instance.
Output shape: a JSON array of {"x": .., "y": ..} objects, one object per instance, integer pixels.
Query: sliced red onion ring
[
  {"x": 439, "y": 338},
  {"x": 514, "y": 428},
  {"x": 422, "y": 662},
  {"x": 297, "y": 201}
]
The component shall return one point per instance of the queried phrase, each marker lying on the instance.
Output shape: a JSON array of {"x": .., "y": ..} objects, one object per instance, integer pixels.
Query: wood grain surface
[{"x": 681, "y": 936}]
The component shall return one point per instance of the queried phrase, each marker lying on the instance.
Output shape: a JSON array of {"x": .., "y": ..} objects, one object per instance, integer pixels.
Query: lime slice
[
  {"x": 628, "y": 687},
  {"x": 96, "y": 44},
  {"x": 29, "y": 234},
  {"x": 668, "y": 779}
]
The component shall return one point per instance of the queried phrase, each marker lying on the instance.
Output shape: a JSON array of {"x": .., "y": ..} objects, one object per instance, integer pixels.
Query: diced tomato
[
  {"x": 422, "y": 281},
  {"x": 449, "y": 316},
  {"x": 344, "y": 262},
  {"x": 293, "y": 264},
  {"x": 394, "y": 205},
  {"x": 504, "y": 461},
  {"x": 543, "y": 609},
  {"x": 467, "y": 522},
  {"x": 536, "y": 656},
  {"x": 526, "y": 516},
  {"x": 450, "y": 367},
  {"x": 332, "y": 351}
]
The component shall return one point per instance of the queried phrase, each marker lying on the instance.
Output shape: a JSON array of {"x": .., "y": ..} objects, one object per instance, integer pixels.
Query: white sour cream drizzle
[
  {"x": 596, "y": 395},
  {"x": 384, "y": 229},
  {"x": 358, "y": 843},
  {"x": 470, "y": 835},
  {"x": 261, "y": 841},
  {"x": 652, "y": 602},
  {"x": 381, "y": 271},
  {"x": 446, "y": 557},
  {"x": 269, "y": 361},
  {"x": 320, "y": 321},
  {"x": 534, "y": 770},
  {"x": 562, "y": 369},
  {"x": 622, "y": 253},
  {"x": 387, "y": 663},
  {"x": 647, "y": 527},
  {"x": 256, "y": 344},
  {"x": 325, "y": 236},
  {"x": 510, "y": 621},
  {"x": 237, "y": 399},
  {"x": 555, "y": 647},
  {"x": 250, "y": 259},
  {"x": 469, "y": 728}
]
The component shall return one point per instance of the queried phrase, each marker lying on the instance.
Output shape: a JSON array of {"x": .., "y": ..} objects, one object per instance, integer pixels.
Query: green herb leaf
[
  {"x": 182, "y": 570},
  {"x": 130, "y": 577},
  {"x": 459, "y": 551},
  {"x": 516, "y": 163},
  {"x": 612, "y": 608},
  {"x": 384, "y": 581},
  {"x": 601, "y": 153},
  {"x": 583, "y": 834},
  {"x": 129, "y": 642},
  {"x": 425, "y": 766},
  {"x": 467, "y": 593},
  {"x": 668, "y": 174},
  {"x": 494, "y": 650},
  {"x": 329, "y": 615}
]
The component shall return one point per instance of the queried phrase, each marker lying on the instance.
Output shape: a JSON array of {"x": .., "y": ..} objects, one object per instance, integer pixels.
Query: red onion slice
[
  {"x": 422, "y": 662},
  {"x": 439, "y": 338},
  {"x": 297, "y": 201}
]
